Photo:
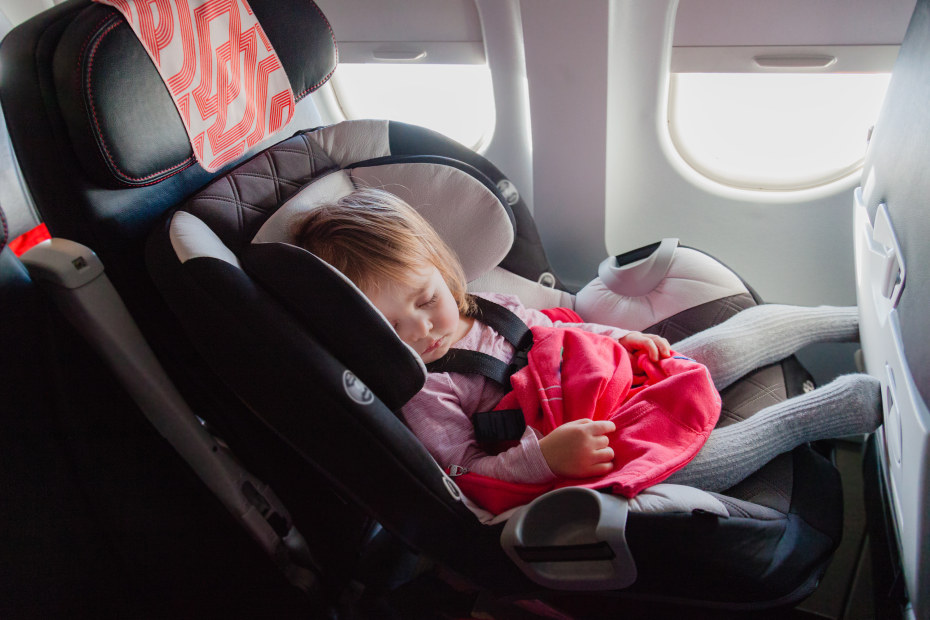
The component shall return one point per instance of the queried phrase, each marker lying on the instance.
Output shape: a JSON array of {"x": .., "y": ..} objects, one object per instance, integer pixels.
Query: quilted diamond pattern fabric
[{"x": 238, "y": 203}]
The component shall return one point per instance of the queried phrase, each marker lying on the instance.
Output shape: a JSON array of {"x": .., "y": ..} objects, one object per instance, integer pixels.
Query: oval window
[{"x": 774, "y": 131}]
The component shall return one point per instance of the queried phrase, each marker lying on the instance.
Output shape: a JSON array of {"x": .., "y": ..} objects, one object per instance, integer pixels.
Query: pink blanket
[{"x": 663, "y": 410}]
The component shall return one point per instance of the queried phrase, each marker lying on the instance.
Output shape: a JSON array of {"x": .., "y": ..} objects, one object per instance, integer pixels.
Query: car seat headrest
[
  {"x": 340, "y": 317},
  {"x": 455, "y": 199},
  {"x": 322, "y": 300},
  {"x": 463, "y": 210},
  {"x": 117, "y": 109}
]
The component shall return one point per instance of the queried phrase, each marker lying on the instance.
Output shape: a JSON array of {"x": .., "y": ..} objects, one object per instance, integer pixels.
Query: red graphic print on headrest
[{"x": 220, "y": 69}]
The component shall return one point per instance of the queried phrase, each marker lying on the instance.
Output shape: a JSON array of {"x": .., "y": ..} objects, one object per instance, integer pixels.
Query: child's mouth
[{"x": 433, "y": 346}]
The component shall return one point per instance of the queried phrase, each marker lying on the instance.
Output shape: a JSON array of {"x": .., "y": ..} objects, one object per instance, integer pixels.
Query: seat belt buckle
[{"x": 518, "y": 362}]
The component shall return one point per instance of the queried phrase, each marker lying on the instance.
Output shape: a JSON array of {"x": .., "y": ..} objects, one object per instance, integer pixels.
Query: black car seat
[
  {"x": 891, "y": 232},
  {"x": 264, "y": 373}
]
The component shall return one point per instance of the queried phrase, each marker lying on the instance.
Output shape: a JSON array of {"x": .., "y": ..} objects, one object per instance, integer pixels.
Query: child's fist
[
  {"x": 656, "y": 347},
  {"x": 579, "y": 449}
]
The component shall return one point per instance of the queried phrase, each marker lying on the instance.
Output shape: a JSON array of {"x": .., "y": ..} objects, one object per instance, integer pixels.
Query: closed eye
[{"x": 432, "y": 301}]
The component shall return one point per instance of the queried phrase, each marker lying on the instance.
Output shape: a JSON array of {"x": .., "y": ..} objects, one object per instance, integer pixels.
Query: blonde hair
[{"x": 371, "y": 236}]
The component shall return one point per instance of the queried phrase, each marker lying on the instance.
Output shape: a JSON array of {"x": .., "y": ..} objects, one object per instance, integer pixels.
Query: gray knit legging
[{"x": 762, "y": 335}]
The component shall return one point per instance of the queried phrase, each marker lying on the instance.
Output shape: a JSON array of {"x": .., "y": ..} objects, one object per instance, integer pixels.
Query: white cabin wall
[
  {"x": 793, "y": 246},
  {"x": 598, "y": 80},
  {"x": 511, "y": 147},
  {"x": 566, "y": 65}
]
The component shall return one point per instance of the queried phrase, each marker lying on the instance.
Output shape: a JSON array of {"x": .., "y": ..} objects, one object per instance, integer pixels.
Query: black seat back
[{"x": 100, "y": 177}]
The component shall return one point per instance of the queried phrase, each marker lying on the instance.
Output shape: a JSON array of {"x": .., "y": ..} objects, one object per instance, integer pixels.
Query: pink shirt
[{"x": 440, "y": 414}]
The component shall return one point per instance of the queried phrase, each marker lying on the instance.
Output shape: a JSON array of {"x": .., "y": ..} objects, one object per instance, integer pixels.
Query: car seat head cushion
[
  {"x": 340, "y": 317},
  {"x": 467, "y": 215},
  {"x": 323, "y": 302},
  {"x": 333, "y": 310}
]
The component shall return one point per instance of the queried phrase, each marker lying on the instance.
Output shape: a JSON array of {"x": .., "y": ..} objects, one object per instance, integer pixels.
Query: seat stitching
[
  {"x": 93, "y": 110},
  {"x": 764, "y": 391},
  {"x": 274, "y": 179},
  {"x": 260, "y": 175},
  {"x": 289, "y": 150},
  {"x": 336, "y": 48},
  {"x": 234, "y": 201},
  {"x": 232, "y": 185},
  {"x": 778, "y": 491}
]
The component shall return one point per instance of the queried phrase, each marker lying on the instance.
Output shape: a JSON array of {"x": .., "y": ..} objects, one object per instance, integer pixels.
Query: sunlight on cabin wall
[
  {"x": 455, "y": 100},
  {"x": 774, "y": 131}
]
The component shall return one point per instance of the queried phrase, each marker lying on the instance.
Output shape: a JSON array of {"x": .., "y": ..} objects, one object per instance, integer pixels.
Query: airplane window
[
  {"x": 454, "y": 99},
  {"x": 774, "y": 131}
]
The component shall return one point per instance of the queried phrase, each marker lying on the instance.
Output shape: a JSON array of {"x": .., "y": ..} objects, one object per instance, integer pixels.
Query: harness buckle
[
  {"x": 520, "y": 358},
  {"x": 457, "y": 470}
]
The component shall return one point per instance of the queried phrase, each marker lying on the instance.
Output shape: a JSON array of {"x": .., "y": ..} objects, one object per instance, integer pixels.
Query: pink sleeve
[{"x": 436, "y": 415}]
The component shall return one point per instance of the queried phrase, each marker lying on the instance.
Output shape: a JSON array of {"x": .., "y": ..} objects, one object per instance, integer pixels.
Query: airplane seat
[
  {"x": 253, "y": 330},
  {"x": 106, "y": 199},
  {"x": 49, "y": 540},
  {"x": 890, "y": 233},
  {"x": 101, "y": 518}
]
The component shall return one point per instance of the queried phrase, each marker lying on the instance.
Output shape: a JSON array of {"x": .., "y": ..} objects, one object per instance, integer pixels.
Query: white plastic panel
[
  {"x": 544, "y": 539},
  {"x": 905, "y": 445},
  {"x": 791, "y": 22}
]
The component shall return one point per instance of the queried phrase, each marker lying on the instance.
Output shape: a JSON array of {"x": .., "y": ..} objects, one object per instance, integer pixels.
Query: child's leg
[
  {"x": 849, "y": 405},
  {"x": 766, "y": 334}
]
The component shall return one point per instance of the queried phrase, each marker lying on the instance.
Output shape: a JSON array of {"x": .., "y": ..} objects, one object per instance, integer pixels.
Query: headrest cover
[
  {"x": 221, "y": 70},
  {"x": 120, "y": 115},
  {"x": 340, "y": 317}
]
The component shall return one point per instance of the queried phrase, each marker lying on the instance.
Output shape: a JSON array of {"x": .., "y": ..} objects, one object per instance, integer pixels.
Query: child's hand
[
  {"x": 656, "y": 347},
  {"x": 579, "y": 449}
]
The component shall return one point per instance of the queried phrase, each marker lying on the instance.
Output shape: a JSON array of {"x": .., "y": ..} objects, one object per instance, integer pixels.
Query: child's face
[{"x": 423, "y": 312}]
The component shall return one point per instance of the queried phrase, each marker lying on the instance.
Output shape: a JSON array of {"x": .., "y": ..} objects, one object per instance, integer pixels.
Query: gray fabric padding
[
  {"x": 280, "y": 226},
  {"x": 531, "y": 294},
  {"x": 697, "y": 318},
  {"x": 353, "y": 141},
  {"x": 753, "y": 393},
  {"x": 693, "y": 278},
  {"x": 739, "y": 508},
  {"x": 192, "y": 238},
  {"x": 443, "y": 196},
  {"x": 465, "y": 213},
  {"x": 771, "y": 486}
]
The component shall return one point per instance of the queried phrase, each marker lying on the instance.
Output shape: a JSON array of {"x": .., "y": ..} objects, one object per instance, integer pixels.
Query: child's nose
[{"x": 424, "y": 326}]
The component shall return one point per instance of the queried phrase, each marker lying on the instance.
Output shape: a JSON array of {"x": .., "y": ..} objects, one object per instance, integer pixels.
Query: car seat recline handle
[
  {"x": 572, "y": 538},
  {"x": 637, "y": 273}
]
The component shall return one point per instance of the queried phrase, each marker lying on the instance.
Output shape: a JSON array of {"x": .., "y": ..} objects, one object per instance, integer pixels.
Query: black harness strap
[
  {"x": 475, "y": 362},
  {"x": 493, "y": 426},
  {"x": 505, "y": 323}
]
